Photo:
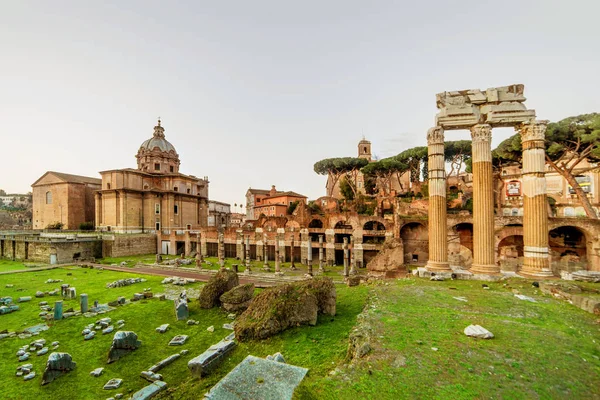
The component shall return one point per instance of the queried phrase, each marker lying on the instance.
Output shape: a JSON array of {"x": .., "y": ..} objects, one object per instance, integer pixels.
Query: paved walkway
[{"x": 18, "y": 271}]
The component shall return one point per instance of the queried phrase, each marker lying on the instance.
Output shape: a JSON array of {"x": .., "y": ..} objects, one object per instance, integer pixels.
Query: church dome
[
  {"x": 156, "y": 155},
  {"x": 158, "y": 140}
]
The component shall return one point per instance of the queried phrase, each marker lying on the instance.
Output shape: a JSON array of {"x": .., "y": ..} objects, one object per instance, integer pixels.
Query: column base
[
  {"x": 482, "y": 269},
  {"x": 436, "y": 266},
  {"x": 536, "y": 273}
]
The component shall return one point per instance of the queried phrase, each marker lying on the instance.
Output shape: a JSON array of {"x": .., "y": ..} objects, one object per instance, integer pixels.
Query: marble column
[
  {"x": 248, "y": 270},
  {"x": 221, "y": 249},
  {"x": 483, "y": 202},
  {"x": 352, "y": 256},
  {"x": 58, "y": 310},
  {"x": 345, "y": 248},
  {"x": 293, "y": 265},
  {"x": 309, "y": 256},
  {"x": 265, "y": 253},
  {"x": 199, "y": 259},
  {"x": 321, "y": 269},
  {"x": 277, "y": 260},
  {"x": 438, "y": 240},
  {"x": 247, "y": 251},
  {"x": 83, "y": 302},
  {"x": 536, "y": 261}
]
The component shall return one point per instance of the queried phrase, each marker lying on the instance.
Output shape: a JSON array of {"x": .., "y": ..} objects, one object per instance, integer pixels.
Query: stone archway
[
  {"x": 460, "y": 246},
  {"x": 415, "y": 240},
  {"x": 510, "y": 253},
  {"x": 568, "y": 248},
  {"x": 316, "y": 224}
]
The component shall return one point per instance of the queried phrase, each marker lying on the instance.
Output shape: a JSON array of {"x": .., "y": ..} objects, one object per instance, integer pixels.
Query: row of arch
[
  {"x": 368, "y": 226},
  {"x": 567, "y": 243}
]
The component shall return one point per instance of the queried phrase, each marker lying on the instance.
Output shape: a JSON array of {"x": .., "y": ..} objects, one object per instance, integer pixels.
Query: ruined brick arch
[
  {"x": 273, "y": 222},
  {"x": 316, "y": 223},
  {"x": 292, "y": 224},
  {"x": 373, "y": 226},
  {"x": 570, "y": 243},
  {"x": 506, "y": 232},
  {"x": 335, "y": 223},
  {"x": 415, "y": 241}
]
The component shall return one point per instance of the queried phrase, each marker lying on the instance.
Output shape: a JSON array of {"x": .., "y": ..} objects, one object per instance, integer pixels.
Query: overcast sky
[{"x": 253, "y": 93}]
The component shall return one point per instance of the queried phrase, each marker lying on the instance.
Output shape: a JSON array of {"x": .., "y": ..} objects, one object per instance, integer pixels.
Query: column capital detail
[
  {"x": 435, "y": 135},
  {"x": 533, "y": 130},
  {"x": 481, "y": 133}
]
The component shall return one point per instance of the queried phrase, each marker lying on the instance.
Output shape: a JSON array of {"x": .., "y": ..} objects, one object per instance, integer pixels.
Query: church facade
[{"x": 155, "y": 196}]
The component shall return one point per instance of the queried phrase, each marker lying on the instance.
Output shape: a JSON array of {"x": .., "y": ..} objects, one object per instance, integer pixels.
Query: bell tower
[{"x": 364, "y": 149}]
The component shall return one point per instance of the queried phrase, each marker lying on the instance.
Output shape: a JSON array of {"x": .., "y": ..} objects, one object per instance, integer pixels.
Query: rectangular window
[
  {"x": 175, "y": 189},
  {"x": 176, "y": 209},
  {"x": 171, "y": 168},
  {"x": 189, "y": 190},
  {"x": 157, "y": 208},
  {"x": 157, "y": 167},
  {"x": 157, "y": 226}
]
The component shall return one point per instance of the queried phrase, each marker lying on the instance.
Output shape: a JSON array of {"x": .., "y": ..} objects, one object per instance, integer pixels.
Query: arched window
[{"x": 48, "y": 197}]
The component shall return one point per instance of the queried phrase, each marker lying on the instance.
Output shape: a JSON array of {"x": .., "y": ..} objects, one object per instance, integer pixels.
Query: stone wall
[
  {"x": 41, "y": 251},
  {"x": 128, "y": 245}
]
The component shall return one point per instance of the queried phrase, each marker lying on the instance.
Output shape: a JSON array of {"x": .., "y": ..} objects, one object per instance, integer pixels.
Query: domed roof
[{"x": 158, "y": 140}]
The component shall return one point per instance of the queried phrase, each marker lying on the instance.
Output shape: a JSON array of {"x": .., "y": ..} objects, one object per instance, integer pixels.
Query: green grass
[
  {"x": 8, "y": 265},
  {"x": 313, "y": 347},
  {"x": 544, "y": 350}
]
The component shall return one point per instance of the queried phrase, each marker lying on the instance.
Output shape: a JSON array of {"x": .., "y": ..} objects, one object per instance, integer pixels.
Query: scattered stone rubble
[
  {"x": 278, "y": 308},
  {"x": 175, "y": 280},
  {"x": 124, "y": 342},
  {"x": 223, "y": 281},
  {"x": 237, "y": 299},
  {"x": 124, "y": 282},
  {"x": 259, "y": 378},
  {"x": 58, "y": 364},
  {"x": 203, "y": 364}
]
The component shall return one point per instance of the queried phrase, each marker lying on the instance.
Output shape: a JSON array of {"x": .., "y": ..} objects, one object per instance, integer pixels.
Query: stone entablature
[{"x": 498, "y": 107}]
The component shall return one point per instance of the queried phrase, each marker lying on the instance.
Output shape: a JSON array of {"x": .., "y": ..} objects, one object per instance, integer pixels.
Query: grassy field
[
  {"x": 543, "y": 350},
  {"x": 8, "y": 265},
  {"x": 317, "y": 348}
]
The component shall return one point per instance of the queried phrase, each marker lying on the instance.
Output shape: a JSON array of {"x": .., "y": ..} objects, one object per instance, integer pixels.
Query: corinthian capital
[
  {"x": 481, "y": 133},
  {"x": 435, "y": 135},
  {"x": 533, "y": 130}
]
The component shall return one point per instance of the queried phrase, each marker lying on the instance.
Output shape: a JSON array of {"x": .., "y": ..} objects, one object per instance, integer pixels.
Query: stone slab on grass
[
  {"x": 149, "y": 391},
  {"x": 257, "y": 378}
]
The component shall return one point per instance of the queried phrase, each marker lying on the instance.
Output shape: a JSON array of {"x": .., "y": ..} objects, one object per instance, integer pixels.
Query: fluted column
[
  {"x": 438, "y": 241},
  {"x": 484, "y": 261},
  {"x": 536, "y": 262}
]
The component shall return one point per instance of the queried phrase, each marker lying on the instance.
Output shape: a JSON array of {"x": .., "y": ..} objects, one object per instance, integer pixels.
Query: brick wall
[{"x": 128, "y": 245}]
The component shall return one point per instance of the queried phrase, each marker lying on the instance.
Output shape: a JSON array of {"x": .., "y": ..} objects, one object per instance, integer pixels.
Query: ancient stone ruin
[
  {"x": 181, "y": 307},
  {"x": 223, "y": 281},
  {"x": 259, "y": 378},
  {"x": 124, "y": 342},
  {"x": 278, "y": 308},
  {"x": 57, "y": 365},
  {"x": 238, "y": 299}
]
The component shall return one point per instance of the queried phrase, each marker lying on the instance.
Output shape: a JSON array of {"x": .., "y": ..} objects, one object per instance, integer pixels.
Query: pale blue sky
[{"x": 252, "y": 93}]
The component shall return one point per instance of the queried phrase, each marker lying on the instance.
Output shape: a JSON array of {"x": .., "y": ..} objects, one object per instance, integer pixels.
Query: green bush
[
  {"x": 86, "y": 226},
  {"x": 55, "y": 225}
]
